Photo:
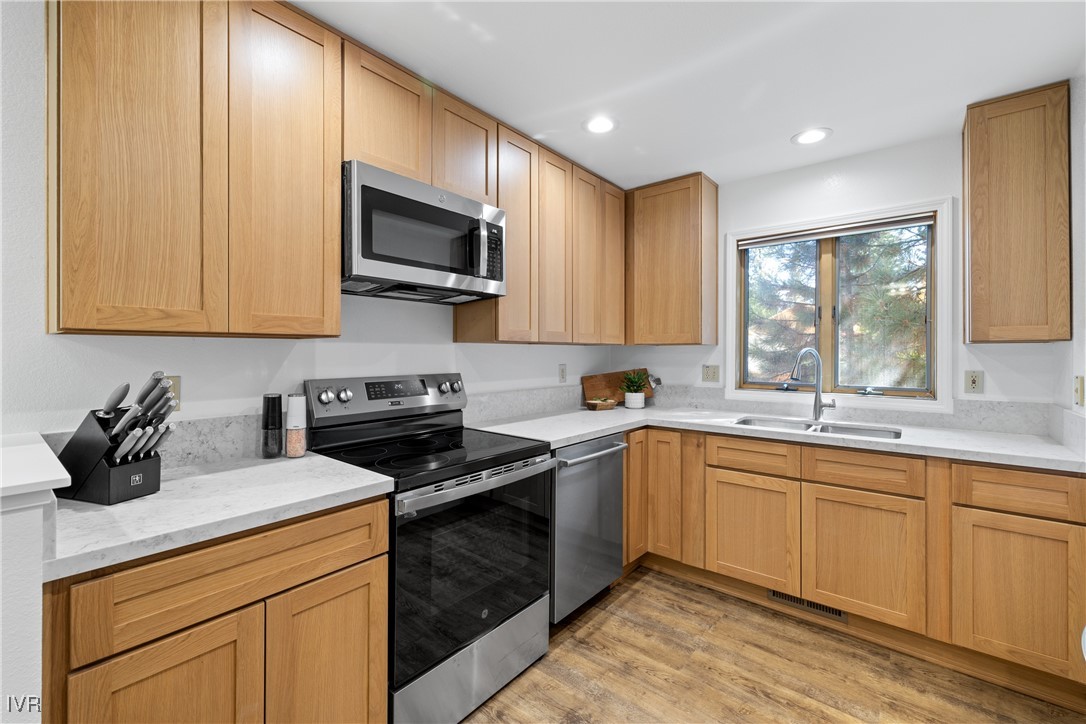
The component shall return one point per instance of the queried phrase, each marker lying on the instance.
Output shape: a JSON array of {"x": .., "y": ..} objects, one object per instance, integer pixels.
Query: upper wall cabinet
[
  {"x": 387, "y": 115},
  {"x": 587, "y": 255},
  {"x": 465, "y": 150},
  {"x": 555, "y": 248},
  {"x": 671, "y": 267},
  {"x": 612, "y": 277},
  {"x": 138, "y": 242},
  {"x": 285, "y": 152},
  {"x": 196, "y": 183},
  {"x": 1017, "y": 218}
]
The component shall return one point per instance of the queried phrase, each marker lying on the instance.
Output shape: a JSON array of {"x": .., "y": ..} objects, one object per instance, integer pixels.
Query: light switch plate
[
  {"x": 1079, "y": 384},
  {"x": 974, "y": 381},
  {"x": 710, "y": 373},
  {"x": 176, "y": 390}
]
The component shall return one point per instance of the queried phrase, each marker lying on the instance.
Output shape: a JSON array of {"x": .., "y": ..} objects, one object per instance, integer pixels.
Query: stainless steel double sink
[{"x": 797, "y": 424}]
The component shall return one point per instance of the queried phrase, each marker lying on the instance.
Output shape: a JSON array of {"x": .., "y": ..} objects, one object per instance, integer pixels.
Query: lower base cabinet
[
  {"x": 864, "y": 553},
  {"x": 213, "y": 672},
  {"x": 1019, "y": 589}
]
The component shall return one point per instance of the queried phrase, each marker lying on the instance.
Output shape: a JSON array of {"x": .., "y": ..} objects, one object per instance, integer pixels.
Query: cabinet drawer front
[
  {"x": 1017, "y": 491},
  {"x": 116, "y": 612},
  {"x": 871, "y": 471},
  {"x": 757, "y": 456}
]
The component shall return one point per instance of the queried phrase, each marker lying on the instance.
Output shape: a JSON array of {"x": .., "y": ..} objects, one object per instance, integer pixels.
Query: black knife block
[{"x": 88, "y": 458}]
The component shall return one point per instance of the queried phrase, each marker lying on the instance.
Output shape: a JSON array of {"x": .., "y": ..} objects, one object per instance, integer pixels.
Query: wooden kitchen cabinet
[
  {"x": 1017, "y": 217},
  {"x": 864, "y": 553},
  {"x": 387, "y": 115},
  {"x": 665, "y": 488},
  {"x": 327, "y": 648},
  {"x": 138, "y": 166},
  {"x": 752, "y": 528},
  {"x": 556, "y": 184},
  {"x": 1019, "y": 589},
  {"x": 514, "y": 317},
  {"x": 213, "y": 672},
  {"x": 587, "y": 256},
  {"x": 285, "y": 179},
  {"x": 465, "y": 149},
  {"x": 635, "y": 497},
  {"x": 612, "y": 276},
  {"x": 671, "y": 262}
]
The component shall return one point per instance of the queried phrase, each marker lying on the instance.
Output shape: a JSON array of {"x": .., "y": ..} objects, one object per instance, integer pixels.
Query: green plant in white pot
[{"x": 633, "y": 385}]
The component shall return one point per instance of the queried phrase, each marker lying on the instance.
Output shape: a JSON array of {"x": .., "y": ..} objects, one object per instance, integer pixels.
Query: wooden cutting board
[{"x": 607, "y": 385}]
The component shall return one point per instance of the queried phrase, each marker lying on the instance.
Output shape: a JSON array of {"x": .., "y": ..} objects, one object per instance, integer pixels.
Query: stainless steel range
[{"x": 469, "y": 536}]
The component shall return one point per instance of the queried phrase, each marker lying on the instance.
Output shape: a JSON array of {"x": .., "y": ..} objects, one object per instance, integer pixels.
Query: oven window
[
  {"x": 404, "y": 231},
  {"x": 462, "y": 568}
]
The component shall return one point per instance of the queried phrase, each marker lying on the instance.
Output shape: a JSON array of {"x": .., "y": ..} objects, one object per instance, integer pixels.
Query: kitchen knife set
[
  {"x": 113, "y": 456},
  {"x": 141, "y": 430}
]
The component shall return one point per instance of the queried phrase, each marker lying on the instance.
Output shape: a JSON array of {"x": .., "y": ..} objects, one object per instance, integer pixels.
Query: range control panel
[{"x": 340, "y": 400}]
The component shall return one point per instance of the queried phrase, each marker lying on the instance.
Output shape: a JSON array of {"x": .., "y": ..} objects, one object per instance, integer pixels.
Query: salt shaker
[{"x": 295, "y": 425}]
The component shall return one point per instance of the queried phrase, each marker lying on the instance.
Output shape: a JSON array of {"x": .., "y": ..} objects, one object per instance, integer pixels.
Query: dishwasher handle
[{"x": 617, "y": 447}]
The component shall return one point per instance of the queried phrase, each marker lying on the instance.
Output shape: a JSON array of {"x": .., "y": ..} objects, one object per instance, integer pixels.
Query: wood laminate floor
[{"x": 657, "y": 649}]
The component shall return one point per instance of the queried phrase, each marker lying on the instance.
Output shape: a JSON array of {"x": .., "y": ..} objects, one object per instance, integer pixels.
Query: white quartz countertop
[
  {"x": 1034, "y": 451},
  {"x": 202, "y": 502},
  {"x": 29, "y": 465}
]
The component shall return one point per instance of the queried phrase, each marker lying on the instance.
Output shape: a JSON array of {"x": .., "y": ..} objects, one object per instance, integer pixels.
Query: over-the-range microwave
[{"x": 404, "y": 239}]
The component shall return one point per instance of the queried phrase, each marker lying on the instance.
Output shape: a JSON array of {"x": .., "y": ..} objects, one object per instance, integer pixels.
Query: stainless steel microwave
[{"x": 404, "y": 239}]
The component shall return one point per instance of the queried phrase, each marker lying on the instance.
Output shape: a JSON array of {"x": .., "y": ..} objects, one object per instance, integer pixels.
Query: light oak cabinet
[
  {"x": 635, "y": 498},
  {"x": 1019, "y": 589},
  {"x": 587, "y": 256},
  {"x": 671, "y": 262},
  {"x": 556, "y": 184},
  {"x": 612, "y": 276},
  {"x": 285, "y": 152},
  {"x": 213, "y": 672},
  {"x": 864, "y": 553},
  {"x": 138, "y": 166},
  {"x": 514, "y": 317},
  {"x": 327, "y": 648},
  {"x": 664, "y": 485},
  {"x": 1017, "y": 217},
  {"x": 752, "y": 528},
  {"x": 198, "y": 187},
  {"x": 465, "y": 150},
  {"x": 387, "y": 115}
]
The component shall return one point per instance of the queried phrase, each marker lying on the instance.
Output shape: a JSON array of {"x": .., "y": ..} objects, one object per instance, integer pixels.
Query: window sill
[{"x": 850, "y": 401}]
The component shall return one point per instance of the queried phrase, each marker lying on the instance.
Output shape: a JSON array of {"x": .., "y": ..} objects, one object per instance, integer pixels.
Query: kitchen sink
[{"x": 828, "y": 428}]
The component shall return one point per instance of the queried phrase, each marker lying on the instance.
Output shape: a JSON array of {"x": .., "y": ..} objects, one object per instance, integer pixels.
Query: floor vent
[{"x": 802, "y": 603}]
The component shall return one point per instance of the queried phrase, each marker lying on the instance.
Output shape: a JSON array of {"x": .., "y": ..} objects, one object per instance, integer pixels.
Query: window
[{"x": 860, "y": 295}]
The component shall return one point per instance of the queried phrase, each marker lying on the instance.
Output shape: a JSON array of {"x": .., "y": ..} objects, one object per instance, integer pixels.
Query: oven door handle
[
  {"x": 617, "y": 447},
  {"x": 410, "y": 503}
]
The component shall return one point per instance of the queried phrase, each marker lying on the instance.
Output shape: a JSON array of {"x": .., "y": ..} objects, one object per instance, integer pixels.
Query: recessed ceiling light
[
  {"x": 600, "y": 124},
  {"x": 812, "y": 135}
]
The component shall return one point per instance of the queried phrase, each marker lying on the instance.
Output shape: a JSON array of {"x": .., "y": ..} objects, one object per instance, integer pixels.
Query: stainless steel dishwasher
[{"x": 586, "y": 527}]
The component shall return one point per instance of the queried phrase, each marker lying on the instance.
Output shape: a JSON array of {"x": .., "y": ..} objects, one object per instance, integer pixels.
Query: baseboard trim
[{"x": 1038, "y": 684}]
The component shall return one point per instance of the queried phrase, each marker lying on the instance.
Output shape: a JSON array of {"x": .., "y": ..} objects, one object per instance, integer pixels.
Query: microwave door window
[{"x": 403, "y": 231}]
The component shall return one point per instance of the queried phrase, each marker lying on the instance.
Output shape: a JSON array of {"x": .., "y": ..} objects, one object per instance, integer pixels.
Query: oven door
[{"x": 465, "y": 560}]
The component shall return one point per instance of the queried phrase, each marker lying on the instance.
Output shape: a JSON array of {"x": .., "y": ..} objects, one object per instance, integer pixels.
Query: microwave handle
[{"x": 481, "y": 248}]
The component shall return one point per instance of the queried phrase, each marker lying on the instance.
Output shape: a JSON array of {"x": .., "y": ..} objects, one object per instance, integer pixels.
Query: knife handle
[
  {"x": 156, "y": 409},
  {"x": 114, "y": 400},
  {"x": 122, "y": 425},
  {"x": 149, "y": 385},
  {"x": 126, "y": 446},
  {"x": 166, "y": 411},
  {"x": 157, "y": 393},
  {"x": 162, "y": 438},
  {"x": 151, "y": 435}
]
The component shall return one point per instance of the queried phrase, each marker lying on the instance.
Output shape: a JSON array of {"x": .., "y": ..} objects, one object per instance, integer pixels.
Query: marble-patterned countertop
[
  {"x": 201, "y": 502},
  {"x": 28, "y": 465},
  {"x": 1033, "y": 451}
]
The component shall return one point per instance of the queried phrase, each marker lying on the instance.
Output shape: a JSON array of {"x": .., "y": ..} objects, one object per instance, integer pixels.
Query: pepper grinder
[
  {"x": 296, "y": 425},
  {"x": 271, "y": 426}
]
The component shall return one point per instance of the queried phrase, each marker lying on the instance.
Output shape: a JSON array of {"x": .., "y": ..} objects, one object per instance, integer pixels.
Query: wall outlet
[
  {"x": 176, "y": 390},
  {"x": 974, "y": 381},
  {"x": 710, "y": 373},
  {"x": 1079, "y": 391},
  {"x": 562, "y": 372}
]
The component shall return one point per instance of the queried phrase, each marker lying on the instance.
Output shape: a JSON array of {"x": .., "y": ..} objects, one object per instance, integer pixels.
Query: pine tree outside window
[{"x": 862, "y": 295}]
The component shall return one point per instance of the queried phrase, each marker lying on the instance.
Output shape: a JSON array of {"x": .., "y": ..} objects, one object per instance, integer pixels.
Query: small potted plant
[{"x": 633, "y": 385}]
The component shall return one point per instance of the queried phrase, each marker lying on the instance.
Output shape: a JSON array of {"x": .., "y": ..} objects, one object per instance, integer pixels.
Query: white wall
[
  {"x": 920, "y": 171},
  {"x": 49, "y": 381}
]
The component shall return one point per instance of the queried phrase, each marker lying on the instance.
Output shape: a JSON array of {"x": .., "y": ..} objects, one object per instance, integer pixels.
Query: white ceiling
[{"x": 721, "y": 87}]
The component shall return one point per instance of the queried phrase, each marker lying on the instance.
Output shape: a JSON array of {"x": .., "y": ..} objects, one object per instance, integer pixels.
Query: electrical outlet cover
[
  {"x": 176, "y": 390},
  {"x": 561, "y": 373},
  {"x": 1079, "y": 390},
  {"x": 974, "y": 381},
  {"x": 710, "y": 373}
]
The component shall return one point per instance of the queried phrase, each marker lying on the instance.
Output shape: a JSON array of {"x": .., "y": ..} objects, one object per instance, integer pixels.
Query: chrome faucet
[{"x": 819, "y": 405}]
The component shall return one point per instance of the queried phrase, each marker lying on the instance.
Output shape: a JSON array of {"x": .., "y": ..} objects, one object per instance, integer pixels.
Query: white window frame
[{"x": 945, "y": 302}]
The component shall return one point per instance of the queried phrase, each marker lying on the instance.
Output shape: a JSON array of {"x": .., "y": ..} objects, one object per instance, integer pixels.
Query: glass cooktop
[{"x": 425, "y": 459}]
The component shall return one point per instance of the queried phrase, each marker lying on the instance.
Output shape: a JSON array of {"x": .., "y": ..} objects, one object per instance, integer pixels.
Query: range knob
[
  {"x": 345, "y": 394},
  {"x": 325, "y": 396},
  {"x": 443, "y": 388},
  {"x": 456, "y": 386}
]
